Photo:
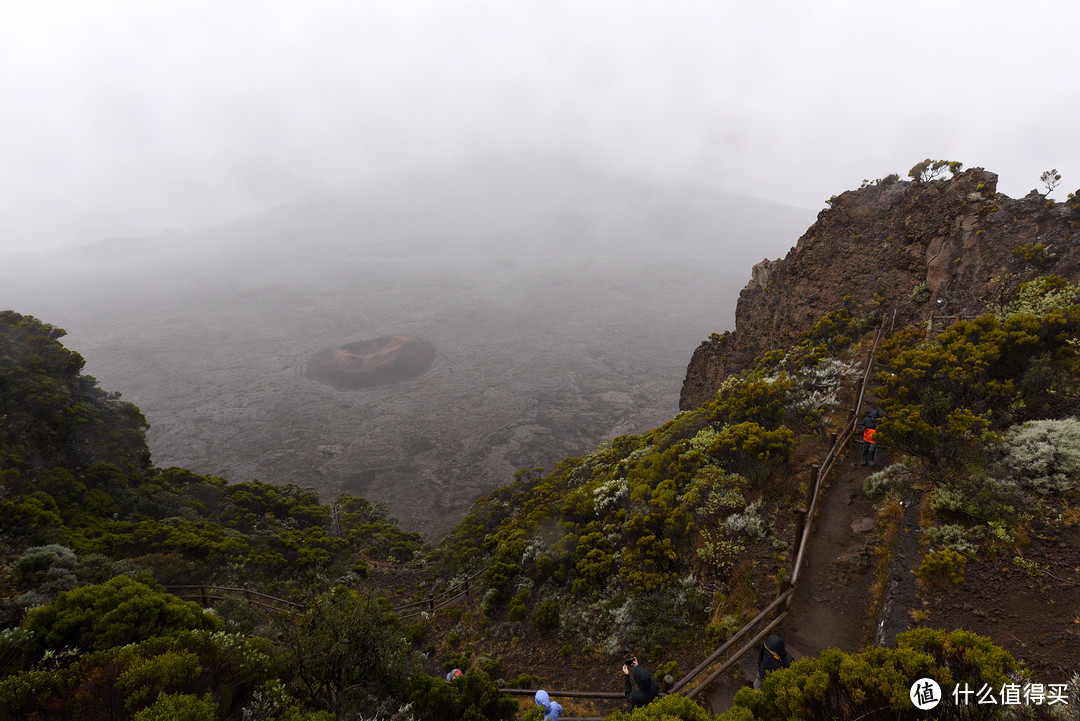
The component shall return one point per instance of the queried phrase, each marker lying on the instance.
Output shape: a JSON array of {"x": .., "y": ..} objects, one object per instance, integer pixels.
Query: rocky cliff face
[{"x": 946, "y": 247}]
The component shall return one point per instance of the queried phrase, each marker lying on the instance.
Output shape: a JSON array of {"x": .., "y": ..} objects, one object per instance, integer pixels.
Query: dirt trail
[{"x": 829, "y": 606}]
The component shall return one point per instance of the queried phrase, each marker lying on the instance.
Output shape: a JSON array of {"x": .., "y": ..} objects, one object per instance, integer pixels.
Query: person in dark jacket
[
  {"x": 773, "y": 655},
  {"x": 647, "y": 687},
  {"x": 869, "y": 430}
]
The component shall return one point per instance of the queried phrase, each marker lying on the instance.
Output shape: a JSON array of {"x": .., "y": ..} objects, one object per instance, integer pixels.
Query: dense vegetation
[
  {"x": 986, "y": 414},
  {"x": 640, "y": 544},
  {"x": 91, "y": 530}
]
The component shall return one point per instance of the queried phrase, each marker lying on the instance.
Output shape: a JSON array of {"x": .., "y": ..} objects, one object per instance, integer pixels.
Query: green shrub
[
  {"x": 752, "y": 450},
  {"x": 546, "y": 614},
  {"x": 472, "y": 696},
  {"x": 533, "y": 714},
  {"x": 942, "y": 568},
  {"x": 722, "y": 628},
  {"x": 349, "y": 649},
  {"x": 239, "y": 616},
  {"x": 667, "y": 708},
  {"x": 498, "y": 577},
  {"x": 179, "y": 707},
  {"x": 519, "y": 605},
  {"x": 114, "y": 613},
  {"x": 525, "y": 680},
  {"x": 920, "y": 293},
  {"x": 1036, "y": 254},
  {"x": 836, "y": 685},
  {"x": 668, "y": 668}
]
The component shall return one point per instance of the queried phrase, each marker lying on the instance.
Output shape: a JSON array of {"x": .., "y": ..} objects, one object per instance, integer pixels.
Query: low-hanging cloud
[{"x": 124, "y": 118}]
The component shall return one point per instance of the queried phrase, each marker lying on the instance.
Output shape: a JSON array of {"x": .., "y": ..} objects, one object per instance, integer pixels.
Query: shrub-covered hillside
[
  {"x": 691, "y": 523},
  {"x": 90, "y": 531},
  {"x": 76, "y": 471},
  {"x": 663, "y": 543},
  {"x": 653, "y": 538}
]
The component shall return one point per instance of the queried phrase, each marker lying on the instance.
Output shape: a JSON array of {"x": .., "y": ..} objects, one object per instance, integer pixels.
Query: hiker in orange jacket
[{"x": 869, "y": 431}]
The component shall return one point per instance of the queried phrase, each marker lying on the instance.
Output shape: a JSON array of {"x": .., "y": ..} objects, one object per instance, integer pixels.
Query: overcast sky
[{"x": 126, "y": 117}]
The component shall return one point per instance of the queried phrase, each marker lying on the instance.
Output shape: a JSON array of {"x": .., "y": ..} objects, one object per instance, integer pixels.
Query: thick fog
[
  {"x": 562, "y": 304},
  {"x": 558, "y": 199},
  {"x": 126, "y": 118}
]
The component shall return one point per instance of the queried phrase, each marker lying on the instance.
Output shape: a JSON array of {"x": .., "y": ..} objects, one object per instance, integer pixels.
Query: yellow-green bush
[{"x": 942, "y": 568}]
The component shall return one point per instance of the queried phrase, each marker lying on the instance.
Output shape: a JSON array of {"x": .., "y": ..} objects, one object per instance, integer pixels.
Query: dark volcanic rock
[
  {"x": 947, "y": 247},
  {"x": 373, "y": 362}
]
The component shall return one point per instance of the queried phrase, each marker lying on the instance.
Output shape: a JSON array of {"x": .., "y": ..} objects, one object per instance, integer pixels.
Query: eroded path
[
  {"x": 830, "y": 605},
  {"x": 829, "y": 609}
]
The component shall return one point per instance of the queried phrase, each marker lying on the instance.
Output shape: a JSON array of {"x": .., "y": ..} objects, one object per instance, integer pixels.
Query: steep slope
[{"x": 946, "y": 247}]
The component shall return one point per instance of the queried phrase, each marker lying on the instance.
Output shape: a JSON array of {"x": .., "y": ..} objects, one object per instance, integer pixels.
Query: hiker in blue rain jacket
[{"x": 552, "y": 709}]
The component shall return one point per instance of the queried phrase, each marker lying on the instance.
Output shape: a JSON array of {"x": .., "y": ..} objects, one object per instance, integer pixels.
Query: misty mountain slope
[{"x": 562, "y": 302}]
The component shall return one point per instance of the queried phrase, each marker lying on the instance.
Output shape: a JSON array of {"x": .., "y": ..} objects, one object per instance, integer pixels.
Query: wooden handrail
[
  {"x": 245, "y": 591},
  {"x": 738, "y": 654},
  {"x": 430, "y": 600},
  {"x": 731, "y": 641}
]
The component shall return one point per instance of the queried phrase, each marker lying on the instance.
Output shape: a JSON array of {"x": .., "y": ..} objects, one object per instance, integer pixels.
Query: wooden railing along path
[{"x": 205, "y": 594}]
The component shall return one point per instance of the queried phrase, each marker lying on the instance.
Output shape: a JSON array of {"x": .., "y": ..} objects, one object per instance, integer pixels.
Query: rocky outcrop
[{"x": 906, "y": 248}]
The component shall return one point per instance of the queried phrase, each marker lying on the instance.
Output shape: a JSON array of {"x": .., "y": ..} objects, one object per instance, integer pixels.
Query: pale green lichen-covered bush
[
  {"x": 808, "y": 388},
  {"x": 703, "y": 439},
  {"x": 750, "y": 523},
  {"x": 889, "y": 481},
  {"x": 1069, "y": 711},
  {"x": 961, "y": 538},
  {"x": 610, "y": 494},
  {"x": 1048, "y": 294},
  {"x": 39, "y": 559},
  {"x": 981, "y": 499},
  {"x": 1044, "y": 456}
]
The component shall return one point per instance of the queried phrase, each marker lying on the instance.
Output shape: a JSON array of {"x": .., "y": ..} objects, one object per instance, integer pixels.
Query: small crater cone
[{"x": 373, "y": 362}]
